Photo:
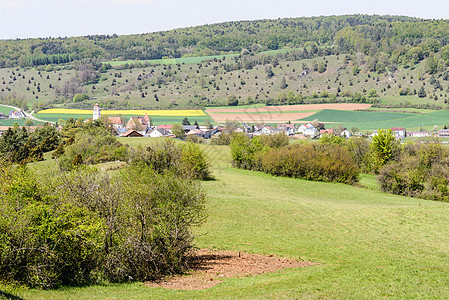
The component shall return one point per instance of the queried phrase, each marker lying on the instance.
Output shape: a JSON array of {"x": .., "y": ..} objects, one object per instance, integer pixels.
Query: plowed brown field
[{"x": 277, "y": 114}]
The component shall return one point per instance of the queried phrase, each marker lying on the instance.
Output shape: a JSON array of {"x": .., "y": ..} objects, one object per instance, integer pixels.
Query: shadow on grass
[{"x": 4, "y": 295}]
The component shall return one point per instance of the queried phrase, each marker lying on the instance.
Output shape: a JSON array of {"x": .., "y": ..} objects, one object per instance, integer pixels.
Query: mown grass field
[{"x": 367, "y": 244}]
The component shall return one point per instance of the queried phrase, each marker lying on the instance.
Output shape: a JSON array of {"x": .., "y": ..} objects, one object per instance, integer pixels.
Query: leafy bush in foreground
[
  {"x": 83, "y": 226},
  {"x": 187, "y": 159}
]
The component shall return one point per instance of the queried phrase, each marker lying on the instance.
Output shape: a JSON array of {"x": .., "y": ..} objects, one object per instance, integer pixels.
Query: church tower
[{"x": 97, "y": 112}]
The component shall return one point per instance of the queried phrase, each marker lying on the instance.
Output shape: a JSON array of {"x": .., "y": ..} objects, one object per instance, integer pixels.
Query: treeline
[
  {"x": 416, "y": 169},
  {"x": 352, "y": 33},
  {"x": 314, "y": 161}
]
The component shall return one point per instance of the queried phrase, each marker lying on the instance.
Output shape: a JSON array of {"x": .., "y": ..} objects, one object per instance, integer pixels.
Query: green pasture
[
  {"x": 366, "y": 244},
  {"x": 172, "y": 61},
  {"x": 366, "y": 120},
  {"x": 5, "y": 109}
]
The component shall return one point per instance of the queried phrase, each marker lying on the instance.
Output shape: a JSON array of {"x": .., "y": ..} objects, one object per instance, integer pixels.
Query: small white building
[{"x": 346, "y": 134}]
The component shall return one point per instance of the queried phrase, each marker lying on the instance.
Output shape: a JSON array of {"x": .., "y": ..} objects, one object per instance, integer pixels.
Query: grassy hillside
[
  {"x": 367, "y": 244},
  {"x": 211, "y": 83}
]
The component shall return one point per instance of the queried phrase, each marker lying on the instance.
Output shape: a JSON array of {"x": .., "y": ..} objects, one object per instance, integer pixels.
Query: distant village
[{"x": 140, "y": 126}]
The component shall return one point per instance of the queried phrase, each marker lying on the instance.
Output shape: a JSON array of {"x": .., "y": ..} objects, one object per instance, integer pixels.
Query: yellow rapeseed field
[{"x": 163, "y": 113}]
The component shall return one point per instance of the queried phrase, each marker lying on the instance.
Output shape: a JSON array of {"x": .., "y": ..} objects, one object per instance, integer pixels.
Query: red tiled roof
[
  {"x": 397, "y": 128},
  {"x": 165, "y": 126},
  {"x": 115, "y": 120}
]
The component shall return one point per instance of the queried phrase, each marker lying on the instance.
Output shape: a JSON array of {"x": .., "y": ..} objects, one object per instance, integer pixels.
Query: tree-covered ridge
[{"x": 351, "y": 32}]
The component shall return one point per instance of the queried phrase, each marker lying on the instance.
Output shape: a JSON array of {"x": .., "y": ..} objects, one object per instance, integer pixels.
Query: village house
[
  {"x": 419, "y": 134},
  {"x": 399, "y": 132},
  {"x": 166, "y": 127},
  {"x": 327, "y": 131},
  {"x": 289, "y": 129},
  {"x": 197, "y": 132},
  {"x": 267, "y": 129},
  {"x": 309, "y": 131},
  {"x": 16, "y": 114},
  {"x": 116, "y": 122},
  {"x": 443, "y": 133},
  {"x": 346, "y": 134},
  {"x": 132, "y": 133},
  {"x": 159, "y": 132},
  {"x": 188, "y": 128}
]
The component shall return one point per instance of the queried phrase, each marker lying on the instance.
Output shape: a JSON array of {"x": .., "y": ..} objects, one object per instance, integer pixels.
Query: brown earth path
[{"x": 210, "y": 267}]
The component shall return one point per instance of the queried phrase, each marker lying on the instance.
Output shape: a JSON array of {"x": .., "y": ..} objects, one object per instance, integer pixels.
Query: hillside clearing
[{"x": 367, "y": 244}]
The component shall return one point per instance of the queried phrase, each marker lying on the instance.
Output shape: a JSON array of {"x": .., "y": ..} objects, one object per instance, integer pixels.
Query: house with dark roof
[{"x": 132, "y": 133}]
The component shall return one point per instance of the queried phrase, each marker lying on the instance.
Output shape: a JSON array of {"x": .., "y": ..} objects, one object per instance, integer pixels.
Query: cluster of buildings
[{"x": 13, "y": 115}]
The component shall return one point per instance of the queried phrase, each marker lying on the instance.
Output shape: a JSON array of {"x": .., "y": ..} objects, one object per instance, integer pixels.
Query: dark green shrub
[
  {"x": 44, "y": 243},
  {"x": 186, "y": 160},
  {"x": 223, "y": 138},
  {"x": 312, "y": 162},
  {"x": 421, "y": 171}
]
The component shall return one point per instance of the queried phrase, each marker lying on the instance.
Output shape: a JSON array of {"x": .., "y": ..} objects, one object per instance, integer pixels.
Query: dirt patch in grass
[
  {"x": 340, "y": 106},
  {"x": 210, "y": 267}
]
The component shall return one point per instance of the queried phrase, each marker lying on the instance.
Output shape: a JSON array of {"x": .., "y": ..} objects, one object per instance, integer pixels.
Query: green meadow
[
  {"x": 366, "y": 244},
  {"x": 171, "y": 61},
  {"x": 371, "y": 120}
]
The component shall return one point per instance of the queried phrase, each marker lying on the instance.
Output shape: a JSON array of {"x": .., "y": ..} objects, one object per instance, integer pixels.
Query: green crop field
[
  {"x": 367, "y": 244},
  {"x": 367, "y": 120}
]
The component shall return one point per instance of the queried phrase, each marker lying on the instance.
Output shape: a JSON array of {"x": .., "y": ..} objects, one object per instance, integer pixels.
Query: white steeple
[{"x": 97, "y": 112}]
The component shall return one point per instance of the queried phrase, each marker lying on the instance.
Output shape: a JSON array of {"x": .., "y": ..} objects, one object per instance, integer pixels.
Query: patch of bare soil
[
  {"x": 299, "y": 107},
  {"x": 210, "y": 267}
]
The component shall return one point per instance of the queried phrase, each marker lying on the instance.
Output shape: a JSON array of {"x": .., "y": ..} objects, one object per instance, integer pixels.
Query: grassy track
[{"x": 367, "y": 244}]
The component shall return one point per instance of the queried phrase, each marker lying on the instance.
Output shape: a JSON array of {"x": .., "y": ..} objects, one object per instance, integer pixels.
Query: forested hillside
[{"x": 370, "y": 34}]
